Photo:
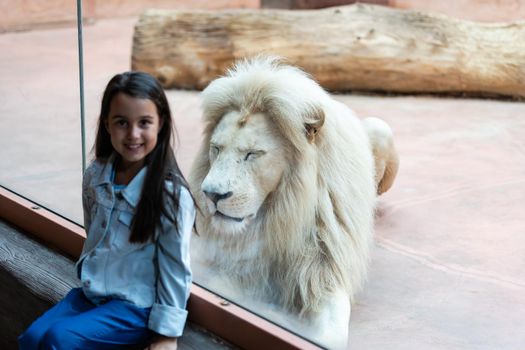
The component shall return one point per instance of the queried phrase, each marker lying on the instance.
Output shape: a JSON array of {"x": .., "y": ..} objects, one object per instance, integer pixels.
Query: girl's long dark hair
[{"x": 161, "y": 162}]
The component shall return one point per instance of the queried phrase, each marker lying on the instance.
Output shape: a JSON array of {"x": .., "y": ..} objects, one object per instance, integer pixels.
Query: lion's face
[{"x": 247, "y": 161}]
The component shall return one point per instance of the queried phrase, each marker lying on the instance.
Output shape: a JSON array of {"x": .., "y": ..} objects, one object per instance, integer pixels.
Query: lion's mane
[{"x": 315, "y": 229}]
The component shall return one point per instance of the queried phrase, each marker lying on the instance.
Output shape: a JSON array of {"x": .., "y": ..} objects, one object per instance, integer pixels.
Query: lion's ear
[{"x": 314, "y": 124}]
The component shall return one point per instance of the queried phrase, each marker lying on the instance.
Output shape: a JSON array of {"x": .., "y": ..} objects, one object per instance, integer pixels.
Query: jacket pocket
[
  {"x": 123, "y": 231},
  {"x": 125, "y": 218}
]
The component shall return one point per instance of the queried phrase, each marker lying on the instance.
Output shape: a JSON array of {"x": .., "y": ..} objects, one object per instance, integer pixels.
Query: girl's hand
[{"x": 163, "y": 343}]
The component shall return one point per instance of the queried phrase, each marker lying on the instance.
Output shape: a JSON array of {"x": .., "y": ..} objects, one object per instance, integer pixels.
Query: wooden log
[{"x": 355, "y": 47}]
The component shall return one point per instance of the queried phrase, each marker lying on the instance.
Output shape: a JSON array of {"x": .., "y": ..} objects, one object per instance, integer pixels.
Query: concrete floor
[{"x": 448, "y": 266}]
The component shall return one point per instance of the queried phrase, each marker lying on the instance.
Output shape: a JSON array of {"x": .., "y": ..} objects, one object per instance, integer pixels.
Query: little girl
[{"x": 138, "y": 215}]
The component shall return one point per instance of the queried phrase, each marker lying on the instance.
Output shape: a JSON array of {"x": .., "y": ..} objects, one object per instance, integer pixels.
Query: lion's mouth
[{"x": 224, "y": 216}]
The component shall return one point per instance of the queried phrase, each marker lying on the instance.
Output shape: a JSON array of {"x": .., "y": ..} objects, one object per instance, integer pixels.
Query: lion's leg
[
  {"x": 328, "y": 328},
  {"x": 385, "y": 154},
  {"x": 333, "y": 321}
]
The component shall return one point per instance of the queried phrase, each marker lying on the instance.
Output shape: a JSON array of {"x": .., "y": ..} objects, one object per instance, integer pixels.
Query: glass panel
[
  {"x": 108, "y": 50},
  {"x": 40, "y": 132},
  {"x": 39, "y": 105}
]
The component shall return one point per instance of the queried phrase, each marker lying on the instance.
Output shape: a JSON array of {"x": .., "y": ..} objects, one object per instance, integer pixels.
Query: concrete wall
[
  {"x": 314, "y": 4},
  {"x": 18, "y": 15}
]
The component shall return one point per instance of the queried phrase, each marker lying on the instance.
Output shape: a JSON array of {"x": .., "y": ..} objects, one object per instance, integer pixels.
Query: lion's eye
[
  {"x": 248, "y": 155},
  {"x": 214, "y": 150},
  {"x": 253, "y": 154}
]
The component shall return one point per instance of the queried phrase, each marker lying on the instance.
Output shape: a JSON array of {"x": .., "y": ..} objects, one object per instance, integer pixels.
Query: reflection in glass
[
  {"x": 39, "y": 108},
  {"x": 40, "y": 144}
]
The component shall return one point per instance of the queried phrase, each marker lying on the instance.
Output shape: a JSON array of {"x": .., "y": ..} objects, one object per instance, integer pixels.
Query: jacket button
[
  {"x": 87, "y": 284},
  {"x": 104, "y": 224}
]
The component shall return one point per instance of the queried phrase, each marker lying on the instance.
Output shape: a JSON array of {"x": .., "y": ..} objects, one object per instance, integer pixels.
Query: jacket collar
[
  {"x": 132, "y": 191},
  {"x": 104, "y": 172}
]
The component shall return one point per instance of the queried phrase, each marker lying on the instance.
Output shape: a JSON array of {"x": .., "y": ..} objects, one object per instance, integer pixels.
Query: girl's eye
[
  {"x": 121, "y": 122},
  {"x": 145, "y": 123}
]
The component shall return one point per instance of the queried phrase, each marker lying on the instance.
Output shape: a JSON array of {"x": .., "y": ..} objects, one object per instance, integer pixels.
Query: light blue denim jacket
[{"x": 154, "y": 274}]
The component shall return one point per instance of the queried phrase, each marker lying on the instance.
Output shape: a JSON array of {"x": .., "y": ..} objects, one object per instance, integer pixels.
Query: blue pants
[{"x": 77, "y": 323}]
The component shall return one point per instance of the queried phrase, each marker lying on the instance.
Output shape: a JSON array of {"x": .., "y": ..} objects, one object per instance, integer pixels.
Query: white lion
[{"x": 287, "y": 185}]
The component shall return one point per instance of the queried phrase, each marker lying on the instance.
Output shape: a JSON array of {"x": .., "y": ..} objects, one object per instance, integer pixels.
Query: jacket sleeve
[{"x": 168, "y": 314}]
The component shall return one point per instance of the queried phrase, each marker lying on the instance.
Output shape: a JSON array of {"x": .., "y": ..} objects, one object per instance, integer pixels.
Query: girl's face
[{"x": 133, "y": 125}]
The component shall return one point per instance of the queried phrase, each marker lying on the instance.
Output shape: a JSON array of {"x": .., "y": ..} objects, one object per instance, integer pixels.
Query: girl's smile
[{"x": 133, "y": 125}]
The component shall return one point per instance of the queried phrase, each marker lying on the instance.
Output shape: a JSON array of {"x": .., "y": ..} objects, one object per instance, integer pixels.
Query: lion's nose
[{"x": 215, "y": 197}]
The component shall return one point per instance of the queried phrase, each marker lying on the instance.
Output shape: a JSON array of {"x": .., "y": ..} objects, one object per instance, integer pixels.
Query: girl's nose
[{"x": 133, "y": 132}]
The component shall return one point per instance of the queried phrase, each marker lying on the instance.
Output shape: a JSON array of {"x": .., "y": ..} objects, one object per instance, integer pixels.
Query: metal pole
[{"x": 81, "y": 79}]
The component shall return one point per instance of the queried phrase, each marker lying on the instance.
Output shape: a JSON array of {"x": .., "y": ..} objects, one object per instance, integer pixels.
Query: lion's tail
[{"x": 384, "y": 150}]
